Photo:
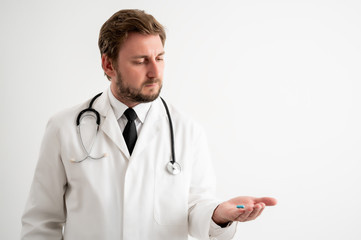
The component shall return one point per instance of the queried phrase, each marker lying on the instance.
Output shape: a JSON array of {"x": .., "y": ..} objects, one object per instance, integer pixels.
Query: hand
[{"x": 228, "y": 212}]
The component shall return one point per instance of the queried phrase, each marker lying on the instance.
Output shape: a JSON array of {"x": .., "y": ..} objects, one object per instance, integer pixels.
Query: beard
[{"x": 135, "y": 94}]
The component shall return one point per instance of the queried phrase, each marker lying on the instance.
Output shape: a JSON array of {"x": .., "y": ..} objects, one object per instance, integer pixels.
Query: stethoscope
[{"x": 173, "y": 167}]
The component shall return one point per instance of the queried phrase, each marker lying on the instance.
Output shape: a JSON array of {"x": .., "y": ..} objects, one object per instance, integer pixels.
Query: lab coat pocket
[{"x": 170, "y": 199}]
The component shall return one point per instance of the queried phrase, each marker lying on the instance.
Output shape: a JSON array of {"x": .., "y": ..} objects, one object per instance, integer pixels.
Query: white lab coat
[{"x": 121, "y": 197}]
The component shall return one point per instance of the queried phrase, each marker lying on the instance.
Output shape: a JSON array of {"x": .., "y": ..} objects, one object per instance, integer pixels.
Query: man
[{"x": 117, "y": 187}]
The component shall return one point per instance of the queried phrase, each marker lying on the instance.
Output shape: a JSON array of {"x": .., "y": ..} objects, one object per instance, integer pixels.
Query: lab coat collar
[
  {"x": 151, "y": 127},
  {"x": 109, "y": 124}
]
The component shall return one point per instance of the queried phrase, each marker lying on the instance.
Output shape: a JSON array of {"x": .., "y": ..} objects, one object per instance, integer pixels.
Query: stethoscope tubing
[
  {"x": 171, "y": 131},
  {"x": 173, "y": 167},
  {"x": 90, "y": 109}
]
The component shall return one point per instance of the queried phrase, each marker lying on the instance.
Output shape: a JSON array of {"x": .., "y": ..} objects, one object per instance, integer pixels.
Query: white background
[{"x": 275, "y": 83}]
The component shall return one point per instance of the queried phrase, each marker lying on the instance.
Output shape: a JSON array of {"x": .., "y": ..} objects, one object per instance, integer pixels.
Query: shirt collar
[{"x": 119, "y": 107}]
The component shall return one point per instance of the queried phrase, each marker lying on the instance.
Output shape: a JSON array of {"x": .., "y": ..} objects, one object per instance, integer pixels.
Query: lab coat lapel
[
  {"x": 109, "y": 123},
  {"x": 151, "y": 127}
]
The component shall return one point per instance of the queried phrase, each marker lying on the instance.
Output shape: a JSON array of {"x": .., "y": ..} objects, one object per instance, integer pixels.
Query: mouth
[{"x": 152, "y": 83}]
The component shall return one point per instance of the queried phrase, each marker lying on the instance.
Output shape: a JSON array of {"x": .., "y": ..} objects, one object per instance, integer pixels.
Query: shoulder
[
  {"x": 177, "y": 114},
  {"x": 183, "y": 120},
  {"x": 67, "y": 116}
]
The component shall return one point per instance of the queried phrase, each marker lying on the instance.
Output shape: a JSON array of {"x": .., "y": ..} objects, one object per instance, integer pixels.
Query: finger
[
  {"x": 260, "y": 212},
  {"x": 258, "y": 208},
  {"x": 243, "y": 217},
  {"x": 268, "y": 201}
]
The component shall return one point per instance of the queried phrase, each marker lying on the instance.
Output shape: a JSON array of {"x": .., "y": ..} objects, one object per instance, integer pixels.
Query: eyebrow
[{"x": 145, "y": 56}]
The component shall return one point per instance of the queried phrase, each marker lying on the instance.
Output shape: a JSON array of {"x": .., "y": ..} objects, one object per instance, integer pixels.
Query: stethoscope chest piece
[{"x": 173, "y": 168}]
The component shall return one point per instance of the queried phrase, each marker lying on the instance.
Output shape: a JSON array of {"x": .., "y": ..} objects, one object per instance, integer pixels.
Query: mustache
[{"x": 152, "y": 81}]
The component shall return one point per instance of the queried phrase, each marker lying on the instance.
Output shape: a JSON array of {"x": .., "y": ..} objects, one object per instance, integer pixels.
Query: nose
[{"x": 155, "y": 69}]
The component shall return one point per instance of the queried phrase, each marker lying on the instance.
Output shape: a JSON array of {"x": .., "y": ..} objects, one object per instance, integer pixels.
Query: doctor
[{"x": 127, "y": 193}]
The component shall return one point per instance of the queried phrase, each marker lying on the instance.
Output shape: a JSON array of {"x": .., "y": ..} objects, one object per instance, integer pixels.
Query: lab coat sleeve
[
  {"x": 44, "y": 214},
  {"x": 216, "y": 232},
  {"x": 201, "y": 196}
]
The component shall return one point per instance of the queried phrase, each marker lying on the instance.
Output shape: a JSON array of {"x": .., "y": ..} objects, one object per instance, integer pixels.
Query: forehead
[{"x": 141, "y": 44}]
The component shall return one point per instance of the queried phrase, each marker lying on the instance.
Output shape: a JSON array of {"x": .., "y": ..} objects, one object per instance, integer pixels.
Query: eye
[{"x": 140, "y": 62}]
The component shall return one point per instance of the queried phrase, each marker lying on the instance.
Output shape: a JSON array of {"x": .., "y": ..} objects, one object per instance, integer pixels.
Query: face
[{"x": 138, "y": 74}]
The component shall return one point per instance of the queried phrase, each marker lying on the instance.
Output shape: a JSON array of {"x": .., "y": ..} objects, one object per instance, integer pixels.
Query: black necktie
[{"x": 130, "y": 132}]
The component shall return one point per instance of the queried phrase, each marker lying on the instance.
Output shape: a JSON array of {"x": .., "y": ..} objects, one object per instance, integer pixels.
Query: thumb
[{"x": 266, "y": 200}]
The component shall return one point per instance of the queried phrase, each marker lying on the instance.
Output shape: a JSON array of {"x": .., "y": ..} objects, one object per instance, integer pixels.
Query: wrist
[{"x": 218, "y": 219}]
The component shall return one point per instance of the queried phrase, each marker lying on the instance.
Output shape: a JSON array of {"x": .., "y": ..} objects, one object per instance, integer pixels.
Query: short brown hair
[{"x": 115, "y": 30}]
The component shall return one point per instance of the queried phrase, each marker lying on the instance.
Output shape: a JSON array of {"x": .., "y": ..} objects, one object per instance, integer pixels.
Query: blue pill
[{"x": 240, "y": 206}]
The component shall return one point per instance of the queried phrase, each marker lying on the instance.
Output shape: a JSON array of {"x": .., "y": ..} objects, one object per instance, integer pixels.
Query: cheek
[
  {"x": 161, "y": 67},
  {"x": 132, "y": 76}
]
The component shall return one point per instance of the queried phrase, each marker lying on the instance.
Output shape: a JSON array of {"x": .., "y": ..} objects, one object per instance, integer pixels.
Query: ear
[{"x": 108, "y": 67}]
